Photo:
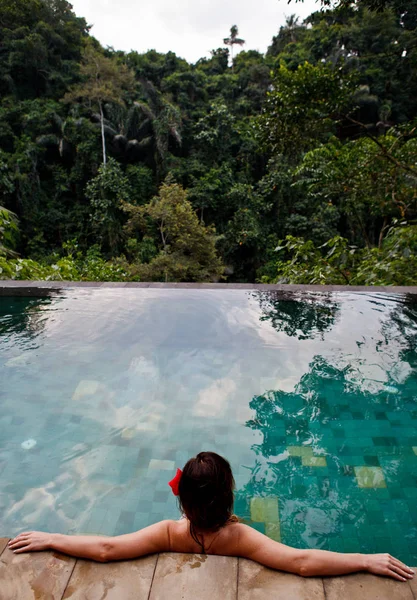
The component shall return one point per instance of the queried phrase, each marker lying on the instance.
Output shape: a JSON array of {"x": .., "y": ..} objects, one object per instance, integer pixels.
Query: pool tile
[
  {"x": 375, "y": 517},
  {"x": 415, "y": 449},
  {"x": 161, "y": 496},
  {"x": 161, "y": 465},
  {"x": 396, "y": 492},
  {"x": 351, "y": 544},
  {"x": 385, "y": 441},
  {"x": 410, "y": 492},
  {"x": 300, "y": 450},
  {"x": 258, "y": 526},
  {"x": 273, "y": 531},
  {"x": 129, "y": 433},
  {"x": 264, "y": 510},
  {"x": 314, "y": 461},
  {"x": 371, "y": 461},
  {"x": 86, "y": 388},
  {"x": 156, "y": 517},
  {"x": 299, "y": 491},
  {"x": 370, "y": 477},
  {"x": 382, "y": 493}
]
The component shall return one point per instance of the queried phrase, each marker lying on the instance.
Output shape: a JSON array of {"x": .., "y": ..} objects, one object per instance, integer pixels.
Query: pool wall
[{"x": 10, "y": 287}]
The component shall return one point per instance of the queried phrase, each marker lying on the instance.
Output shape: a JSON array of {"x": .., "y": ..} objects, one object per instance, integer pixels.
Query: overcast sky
[{"x": 190, "y": 28}]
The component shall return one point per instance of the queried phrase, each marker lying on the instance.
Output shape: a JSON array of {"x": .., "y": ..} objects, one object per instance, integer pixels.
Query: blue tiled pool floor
[{"x": 104, "y": 393}]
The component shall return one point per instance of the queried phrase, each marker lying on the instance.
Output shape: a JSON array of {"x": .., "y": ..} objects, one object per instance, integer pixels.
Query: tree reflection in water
[
  {"x": 303, "y": 315},
  {"x": 333, "y": 414},
  {"x": 23, "y": 317}
]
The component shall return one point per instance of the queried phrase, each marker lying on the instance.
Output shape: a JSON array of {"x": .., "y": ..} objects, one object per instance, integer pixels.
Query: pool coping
[
  {"x": 169, "y": 576},
  {"x": 9, "y": 287}
]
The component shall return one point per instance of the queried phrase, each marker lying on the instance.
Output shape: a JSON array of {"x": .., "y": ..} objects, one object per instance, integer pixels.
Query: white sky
[{"x": 190, "y": 28}]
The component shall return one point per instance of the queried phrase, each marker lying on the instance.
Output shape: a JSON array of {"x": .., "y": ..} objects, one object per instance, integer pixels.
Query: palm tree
[
  {"x": 58, "y": 138},
  {"x": 160, "y": 122},
  {"x": 147, "y": 126},
  {"x": 122, "y": 126},
  {"x": 292, "y": 25},
  {"x": 233, "y": 40}
]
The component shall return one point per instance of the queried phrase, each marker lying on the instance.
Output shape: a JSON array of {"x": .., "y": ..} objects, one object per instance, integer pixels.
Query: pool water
[{"x": 312, "y": 398}]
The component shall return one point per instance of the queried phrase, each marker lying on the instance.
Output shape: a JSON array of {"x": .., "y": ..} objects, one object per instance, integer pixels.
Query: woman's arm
[
  {"x": 155, "y": 538},
  {"x": 308, "y": 563}
]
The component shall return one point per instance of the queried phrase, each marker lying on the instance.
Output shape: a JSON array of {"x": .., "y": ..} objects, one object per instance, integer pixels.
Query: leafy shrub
[
  {"x": 338, "y": 263},
  {"x": 92, "y": 267}
]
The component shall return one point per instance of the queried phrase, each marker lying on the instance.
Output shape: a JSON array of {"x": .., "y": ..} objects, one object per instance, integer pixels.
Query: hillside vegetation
[{"x": 297, "y": 166}]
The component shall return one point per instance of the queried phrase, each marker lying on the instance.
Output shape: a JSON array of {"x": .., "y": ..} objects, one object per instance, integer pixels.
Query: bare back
[
  {"x": 223, "y": 542},
  {"x": 234, "y": 539}
]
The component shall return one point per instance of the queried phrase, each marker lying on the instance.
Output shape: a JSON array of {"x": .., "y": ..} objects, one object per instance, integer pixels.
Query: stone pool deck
[{"x": 53, "y": 576}]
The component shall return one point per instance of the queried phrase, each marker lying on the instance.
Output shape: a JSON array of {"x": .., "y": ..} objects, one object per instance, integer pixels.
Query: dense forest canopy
[{"x": 299, "y": 165}]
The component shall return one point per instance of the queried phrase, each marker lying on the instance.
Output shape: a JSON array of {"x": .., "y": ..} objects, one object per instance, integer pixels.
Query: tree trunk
[
  {"x": 362, "y": 228},
  {"x": 381, "y": 233},
  {"x": 161, "y": 230},
  {"x": 103, "y": 138}
]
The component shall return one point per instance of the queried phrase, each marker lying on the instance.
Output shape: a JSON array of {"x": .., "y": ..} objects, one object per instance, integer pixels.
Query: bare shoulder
[
  {"x": 242, "y": 539},
  {"x": 236, "y": 539},
  {"x": 179, "y": 537},
  {"x": 246, "y": 542}
]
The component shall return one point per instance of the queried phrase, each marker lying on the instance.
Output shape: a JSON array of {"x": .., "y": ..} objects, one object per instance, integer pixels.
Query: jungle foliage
[{"x": 296, "y": 166}]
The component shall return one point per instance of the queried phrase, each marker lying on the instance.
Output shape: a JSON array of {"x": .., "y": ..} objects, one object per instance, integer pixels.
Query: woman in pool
[{"x": 205, "y": 490}]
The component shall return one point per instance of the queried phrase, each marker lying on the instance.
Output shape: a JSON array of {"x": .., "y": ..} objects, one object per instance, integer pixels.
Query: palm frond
[
  {"x": 133, "y": 121},
  {"x": 47, "y": 141},
  {"x": 57, "y": 123},
  {"x": 108, "y": 130},
  {"x": 120, "y": 141},
  {"x": 146, "y": 110},
  {"x": 145, "y": 142}
]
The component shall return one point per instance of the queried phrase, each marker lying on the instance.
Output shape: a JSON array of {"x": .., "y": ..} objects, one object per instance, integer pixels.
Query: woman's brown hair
[{"x": 206, "y": 493}]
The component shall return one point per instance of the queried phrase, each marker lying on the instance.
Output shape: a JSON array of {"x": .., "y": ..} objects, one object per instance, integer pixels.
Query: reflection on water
[
  {"x": 313, "y": 400},
  {"x": 316, "y": 443},
  {"x": 22, "y": 318},
  {"x": 302, "y": 315}
]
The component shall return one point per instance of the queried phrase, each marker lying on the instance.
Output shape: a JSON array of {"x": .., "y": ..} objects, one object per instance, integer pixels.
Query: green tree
[
  {"x": 375, "y": 5},
  {"x": 217, "y": 64},
  {"x": 107, "y": 192},
  {"x": 187, "y": 248},
  {"x": 303, "y": 106},
  {"x": 217, "y": 134},
  {"x": 370, "y": 182},
  {"x": 104, "y": 81},
  {"x": 42, "y": 41}
]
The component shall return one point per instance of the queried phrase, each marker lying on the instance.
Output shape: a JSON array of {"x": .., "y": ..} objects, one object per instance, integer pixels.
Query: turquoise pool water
[{"x": 313, "y": 399}]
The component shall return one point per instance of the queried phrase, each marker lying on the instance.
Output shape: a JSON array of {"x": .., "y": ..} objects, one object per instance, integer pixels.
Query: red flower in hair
[{"x": 174, "y": 483}]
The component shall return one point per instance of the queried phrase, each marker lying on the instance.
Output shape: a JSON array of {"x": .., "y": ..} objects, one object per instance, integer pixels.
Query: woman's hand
[
  {"x": 385, "y": 564},
  {"x": 30, "y": 541}
]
